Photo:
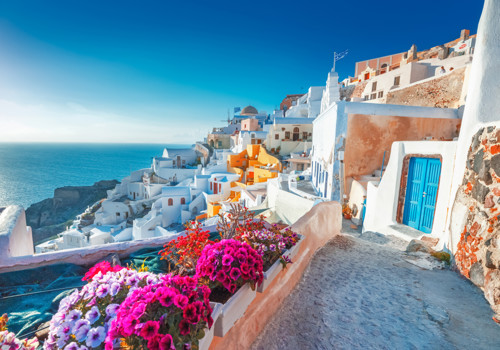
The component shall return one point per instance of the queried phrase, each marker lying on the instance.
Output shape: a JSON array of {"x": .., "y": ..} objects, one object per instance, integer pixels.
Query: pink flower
[
  {"x": 166, "y": 343},
  {"x": 184, "y": 327},
  {"x": 149, "y": 329},
  {"x": 180, "y": 301},
  {"x": 235, "y": 274},
  {"x": 191, "y": 314},
  {"x": 166, "y": 298},
  {"x": 227, "y": 260}
]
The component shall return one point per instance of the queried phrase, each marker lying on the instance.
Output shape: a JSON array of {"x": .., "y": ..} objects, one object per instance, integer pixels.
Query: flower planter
[
  {"x": 209, "y": 333},
  {"x": 275, "y": 269},
  {"x": 233, "y": 309}
]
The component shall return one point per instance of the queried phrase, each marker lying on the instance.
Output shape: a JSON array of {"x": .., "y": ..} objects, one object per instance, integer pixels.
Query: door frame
[{"x": 404, "y": 179}]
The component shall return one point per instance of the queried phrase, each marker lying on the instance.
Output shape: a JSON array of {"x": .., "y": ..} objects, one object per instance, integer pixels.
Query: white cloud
[{"x": 73, "y": 122}]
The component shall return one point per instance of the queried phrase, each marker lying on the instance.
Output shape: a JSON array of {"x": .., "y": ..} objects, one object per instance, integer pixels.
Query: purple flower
[
  {"x": 95, "y": 337},
  {"x": 102, "y": 291},
  {"x": 111, "y": 309},
  {"x": 115, "y": 288},
  {"x": 64, "y": 329},
  {"x": 82, "y": 332},
  {"x": 72, "y": 346},
  {"x": 73, "y": 316},
  {"x": 93, "y": 314}
]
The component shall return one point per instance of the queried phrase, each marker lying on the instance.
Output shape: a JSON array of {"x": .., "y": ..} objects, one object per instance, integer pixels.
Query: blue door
[{"x": 421, "y": 193}]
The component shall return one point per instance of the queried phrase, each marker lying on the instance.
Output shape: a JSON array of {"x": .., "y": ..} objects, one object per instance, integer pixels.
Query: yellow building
[{"x": 253, "y": 165}]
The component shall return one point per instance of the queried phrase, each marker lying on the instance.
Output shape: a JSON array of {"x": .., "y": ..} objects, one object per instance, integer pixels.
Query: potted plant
[
  {"x": 232, "y": 269},
  {"x": 84, "y": 317},
  {"x": 171, "y": 314}
]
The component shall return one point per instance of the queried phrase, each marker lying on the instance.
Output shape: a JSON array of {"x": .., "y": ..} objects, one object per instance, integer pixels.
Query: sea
[{"x": 30, "y": 172}]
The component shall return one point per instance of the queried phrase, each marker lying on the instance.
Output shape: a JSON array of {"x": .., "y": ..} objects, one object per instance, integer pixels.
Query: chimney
[{"x": 464, "y": 34}]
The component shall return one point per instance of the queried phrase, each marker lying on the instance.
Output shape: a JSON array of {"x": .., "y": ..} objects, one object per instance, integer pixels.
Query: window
[
  {"x": 367, "y": 97},
  {"x": 210, "y": 186},
  {"x": 287, "y": 135},
  {"x": 380, "y": 94},
  {"x": 276, "y": 136},
  {"x": 304, "y": 135},
  {"x": 183, "y": 162},
  {"x": 173, "y": 162},
  {"x": 373, "y": 96},
  {"x": 183, "y": 200},
  {"x": 117, "y": 214},
  {"x": 170, "y": 202},
  {"x": 220, "y": 186},
  {"x": 374, "y": 86},
  {"x": 396, "y": 80},
  {"x": 219, "y": 144}
]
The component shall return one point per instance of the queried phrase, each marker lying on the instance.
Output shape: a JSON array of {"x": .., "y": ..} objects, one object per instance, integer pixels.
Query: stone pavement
[{"x": 360, "y": 292}]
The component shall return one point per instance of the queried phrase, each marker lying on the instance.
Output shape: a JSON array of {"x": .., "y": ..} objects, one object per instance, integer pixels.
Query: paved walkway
[{"x": 360, "y": 292}]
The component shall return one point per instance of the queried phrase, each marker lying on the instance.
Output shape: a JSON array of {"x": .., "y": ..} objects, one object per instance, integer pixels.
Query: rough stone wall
[
  {"x": 442, "y": 92},
  {"x": 346, "y": 92},
  {"x": 358, "y": 90},
  {"x": 478, "y": 251}
]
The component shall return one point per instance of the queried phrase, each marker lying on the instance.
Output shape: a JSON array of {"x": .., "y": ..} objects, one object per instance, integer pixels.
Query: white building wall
[
  {"x": 383, "y": 198},
  {"x": 15, "y": 237}
]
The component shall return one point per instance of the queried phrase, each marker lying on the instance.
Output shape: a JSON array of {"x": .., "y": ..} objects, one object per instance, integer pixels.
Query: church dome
[{"x": 250, "y": 111}]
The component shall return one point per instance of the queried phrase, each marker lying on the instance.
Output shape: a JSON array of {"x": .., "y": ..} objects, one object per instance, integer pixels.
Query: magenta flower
[
  {"x": 180, "y": 301},
  {"x": 184, "y": 327},
  {"x": 166, "y": 342},
  {"x": 149, "y": 329},
  {"x": 227, "y": 260},
  {"x": 190, "y": 313},
  {"x": 235, "y": 274}
]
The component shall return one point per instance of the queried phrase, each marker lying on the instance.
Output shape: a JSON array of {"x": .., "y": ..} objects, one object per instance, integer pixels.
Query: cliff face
[{"x": 52, "y": 215}]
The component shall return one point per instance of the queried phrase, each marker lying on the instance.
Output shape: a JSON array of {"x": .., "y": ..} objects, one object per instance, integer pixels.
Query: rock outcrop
[{"x": 52, "y": 215}]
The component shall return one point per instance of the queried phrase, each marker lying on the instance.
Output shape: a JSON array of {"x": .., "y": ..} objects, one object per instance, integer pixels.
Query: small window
[
  {"x": 170, "y": 202},
  {"x": 210, "y": 186},
  {"x": 219, "y": 143},
  {"x": 220, "y": 187},
  {"x": 173, "y": 162},
  {"x": 373, "y": 96},
  {"x": 374, "y": 86},
  {"x": 304, "y": 135},
  {"x": 367, "y": 97},
  {"x": 287, "y": 135},
  {"x": 183, "y": 200},
  {"x": 380, "y": 94},
  {"x": 117, "y": 214},
  {"x": 396, "y": 80},
  {"x": 276, "y": 136},
  {"x": 183, "y": 162}
]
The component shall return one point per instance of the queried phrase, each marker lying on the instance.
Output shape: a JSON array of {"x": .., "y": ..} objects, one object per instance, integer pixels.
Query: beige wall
[{"x": 369, "y": 136}]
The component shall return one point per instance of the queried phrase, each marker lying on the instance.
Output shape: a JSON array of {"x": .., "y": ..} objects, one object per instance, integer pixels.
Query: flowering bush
[
  {"x": 231, "y": 264},
  {"x": 84, "y": 316},
  {"x": 102, "y": 267},
  {"x": 8, "y": 341},
  {"x": 270, "y": 243},
  {"x": 165, "y": 316},
  {"x": 237, "y": 221},
  {"x": 185, "y": 250}
]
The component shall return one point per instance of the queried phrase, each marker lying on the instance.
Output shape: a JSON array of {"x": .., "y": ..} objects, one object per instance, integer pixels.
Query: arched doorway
[{"x": 295, "y": 134}]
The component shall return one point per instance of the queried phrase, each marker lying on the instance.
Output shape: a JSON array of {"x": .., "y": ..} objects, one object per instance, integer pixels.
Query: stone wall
[
  {"x": 478, "y": 250},
  {"x": 358, "y": 90},
  {"x": 442, "y": 92}
]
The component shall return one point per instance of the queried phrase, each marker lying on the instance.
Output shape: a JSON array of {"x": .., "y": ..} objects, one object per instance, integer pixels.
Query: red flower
[
  {"x": 149, "y": 329},
  {"x": 191, "y": 314},
  {"x": 184, "y": 327}
]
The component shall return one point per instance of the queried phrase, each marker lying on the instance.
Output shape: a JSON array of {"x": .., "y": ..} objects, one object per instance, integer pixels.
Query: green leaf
[{"x": 201, "y": 334}]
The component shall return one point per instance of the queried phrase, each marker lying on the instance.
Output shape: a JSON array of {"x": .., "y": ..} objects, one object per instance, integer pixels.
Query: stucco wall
[
  {"x": 319, "y": 225},
  {"x": 383, "y": 199},
  {"x": 369, "y": 136},
  {"x": 15, "y": 238},
  {"x": 443, "y": 91}
]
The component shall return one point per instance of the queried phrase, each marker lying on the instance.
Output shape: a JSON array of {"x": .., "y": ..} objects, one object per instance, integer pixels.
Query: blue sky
[{"x": 167, "y": 71}]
